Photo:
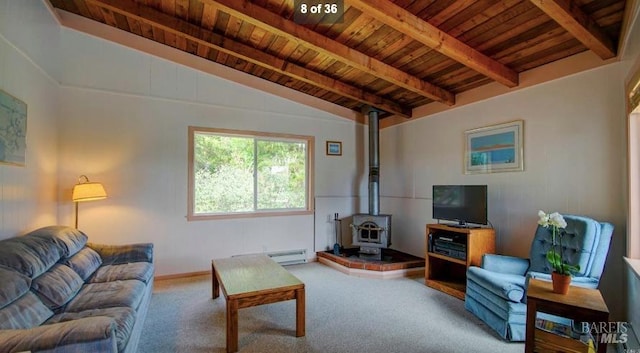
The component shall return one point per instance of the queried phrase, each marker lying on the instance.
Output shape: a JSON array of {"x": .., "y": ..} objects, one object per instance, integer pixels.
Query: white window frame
[
  {"x": 632, "y": 92},
  {"x": 310, "y": 142}
]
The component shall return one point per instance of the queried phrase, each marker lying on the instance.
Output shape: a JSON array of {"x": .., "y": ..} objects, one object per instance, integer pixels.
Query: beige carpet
[{"x": 344, "y": 314}]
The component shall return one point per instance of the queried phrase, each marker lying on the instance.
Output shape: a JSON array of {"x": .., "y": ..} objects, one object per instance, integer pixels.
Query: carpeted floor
[{"x": 344, "y": 314}]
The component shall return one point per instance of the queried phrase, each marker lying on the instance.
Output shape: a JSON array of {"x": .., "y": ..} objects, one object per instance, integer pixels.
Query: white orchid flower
[
  {"x": 544, "y": 219},
  {"x": 556, "y": 219}
]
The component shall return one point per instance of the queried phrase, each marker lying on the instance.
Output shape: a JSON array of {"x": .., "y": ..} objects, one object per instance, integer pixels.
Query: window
[{"x": 243, "y": 173}]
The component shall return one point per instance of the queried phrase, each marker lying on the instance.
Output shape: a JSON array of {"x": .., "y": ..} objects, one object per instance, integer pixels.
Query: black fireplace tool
[{"x": 338, "y": 230}]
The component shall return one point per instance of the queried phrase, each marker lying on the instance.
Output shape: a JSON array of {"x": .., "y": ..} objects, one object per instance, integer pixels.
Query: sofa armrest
[
  {"x": 505, "y": 264},
  {"x": 122, "y": 254},
  {"x": 503, "y": 285},
  {"x": 91, "y": 334}
]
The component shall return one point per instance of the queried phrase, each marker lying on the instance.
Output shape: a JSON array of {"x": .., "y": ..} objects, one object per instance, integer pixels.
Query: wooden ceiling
[{"x": 394, "y": 55}]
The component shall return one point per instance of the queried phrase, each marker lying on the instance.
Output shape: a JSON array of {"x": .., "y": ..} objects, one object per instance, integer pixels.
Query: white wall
[
  {"x": 28, "y": 194},
  {"x": 574, "y": 160},
  {"x": 124, "y": 118}
]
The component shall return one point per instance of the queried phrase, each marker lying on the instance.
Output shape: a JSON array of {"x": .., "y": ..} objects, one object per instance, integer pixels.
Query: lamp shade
[{"x": 88, "y": 191}]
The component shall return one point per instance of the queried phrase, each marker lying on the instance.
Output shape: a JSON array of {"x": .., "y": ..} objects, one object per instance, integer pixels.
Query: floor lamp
[{"x": 85, "y": 190}]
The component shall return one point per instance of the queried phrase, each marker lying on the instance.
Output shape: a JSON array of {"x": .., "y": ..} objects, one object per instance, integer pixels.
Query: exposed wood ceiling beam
[
  {"x": 579, "y": 24},
  {"x": 404, "y": 21},
  {"x": 215, "y": 41},
  {"x": 263, "y": 18}
]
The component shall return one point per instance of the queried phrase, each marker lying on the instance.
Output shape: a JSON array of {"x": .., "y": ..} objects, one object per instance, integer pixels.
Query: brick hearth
[{"x": 394, "y": 264}]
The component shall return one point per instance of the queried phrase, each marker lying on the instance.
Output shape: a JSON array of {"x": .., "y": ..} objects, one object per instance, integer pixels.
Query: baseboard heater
[{"x": 289, "y": 257}]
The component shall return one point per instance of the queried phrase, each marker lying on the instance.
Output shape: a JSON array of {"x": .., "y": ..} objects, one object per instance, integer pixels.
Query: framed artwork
[
  {"x": 334, "y": 148},
  {"x": 496, "y": 148},
  {"x": 13, "y": 130}
]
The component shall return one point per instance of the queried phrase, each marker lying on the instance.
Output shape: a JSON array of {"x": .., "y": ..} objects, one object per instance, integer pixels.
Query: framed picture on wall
[
  {"x": 334, "y": 148},
  {"x": 13, "y": 130},
  {"x": 496, "y": 148}
]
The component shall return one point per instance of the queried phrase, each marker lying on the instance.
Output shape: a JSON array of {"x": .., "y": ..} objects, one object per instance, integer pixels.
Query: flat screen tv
[{"x": 460, "y": 203}]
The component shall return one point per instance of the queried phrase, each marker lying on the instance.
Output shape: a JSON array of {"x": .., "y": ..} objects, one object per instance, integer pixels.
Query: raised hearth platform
[{"x": 394, "y": 264}]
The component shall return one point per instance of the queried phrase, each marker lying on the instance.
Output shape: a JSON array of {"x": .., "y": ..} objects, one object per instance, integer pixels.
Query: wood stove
[{"x": 372, "y": 231}]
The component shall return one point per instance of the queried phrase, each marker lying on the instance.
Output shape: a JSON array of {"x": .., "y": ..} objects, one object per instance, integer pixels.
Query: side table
[{"x": 580, "y": 304}]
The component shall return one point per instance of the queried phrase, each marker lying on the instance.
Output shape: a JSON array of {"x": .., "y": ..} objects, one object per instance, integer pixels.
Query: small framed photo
[
  {"x": 496, "y": 148},
  {"x": 334, "y": 148}
]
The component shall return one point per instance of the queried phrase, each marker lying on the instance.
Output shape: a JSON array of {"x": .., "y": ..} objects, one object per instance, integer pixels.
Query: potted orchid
[{"x": 562, "y": 271}]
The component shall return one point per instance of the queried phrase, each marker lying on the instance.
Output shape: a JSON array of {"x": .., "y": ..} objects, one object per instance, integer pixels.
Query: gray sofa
[{"x": 59, "y": 293}]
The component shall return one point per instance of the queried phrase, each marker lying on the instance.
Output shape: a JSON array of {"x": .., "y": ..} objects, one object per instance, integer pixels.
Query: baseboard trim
[{"x": 182, "y": 275}]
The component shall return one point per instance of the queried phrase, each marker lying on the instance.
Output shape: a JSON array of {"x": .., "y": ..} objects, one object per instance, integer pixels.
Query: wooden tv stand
[{"x": 449, "y": 274}]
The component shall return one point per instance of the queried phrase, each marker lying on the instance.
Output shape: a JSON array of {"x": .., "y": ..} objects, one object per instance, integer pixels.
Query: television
[{"x": 460, "y": 203}]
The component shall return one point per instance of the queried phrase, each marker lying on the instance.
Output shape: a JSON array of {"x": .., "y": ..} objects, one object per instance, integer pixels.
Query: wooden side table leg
[
  {"x": 602, "y": 346},
  {"x": 232, "y": 326},
  {"x": 215, "y": 285},
  {"x": 529, "y": 343},
  {"x": 300, "y": 312}
]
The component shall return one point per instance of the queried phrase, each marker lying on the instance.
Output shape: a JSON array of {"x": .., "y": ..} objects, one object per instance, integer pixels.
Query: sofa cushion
[
  {"x": 13, "y": 286},
  {"x": 25, "y": 312},
  {"x": 505, "y": 264},
  {"x": 107, "y": 295},
  {"x": 141, "y": 271},
  {"x": 123, "y": 254},
  {"x": 57, "y": 286},
  {"x": 69, "y": 240},
  {"x": 85, "y": 262},
  {"x": 124, "y": 318},
  {"x": 92, "y": 334},
  {"x": 29, "y": 255}
]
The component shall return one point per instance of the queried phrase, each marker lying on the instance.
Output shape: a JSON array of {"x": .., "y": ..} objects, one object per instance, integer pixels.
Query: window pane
[
  {"x": 281, "y": 175},
  {"x": 223, "y": 170},
  {"x": 238, "y": 173}
]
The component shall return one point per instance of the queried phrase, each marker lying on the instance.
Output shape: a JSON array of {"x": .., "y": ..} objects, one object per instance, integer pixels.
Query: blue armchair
[{"x": 496, "y": 291}]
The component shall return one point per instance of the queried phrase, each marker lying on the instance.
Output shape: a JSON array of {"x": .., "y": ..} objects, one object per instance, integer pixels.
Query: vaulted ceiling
[{"x": 395, "y": 55}]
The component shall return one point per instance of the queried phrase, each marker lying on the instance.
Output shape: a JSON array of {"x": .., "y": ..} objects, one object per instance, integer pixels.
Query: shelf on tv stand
[
  {"x": 447, "y": 258},
  {"x": 448, "y": 274},
  {"x": 451, "y": 287}
]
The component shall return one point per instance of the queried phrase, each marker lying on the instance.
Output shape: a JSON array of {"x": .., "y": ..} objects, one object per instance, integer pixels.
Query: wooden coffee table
[{"x": 254, "y": 280}]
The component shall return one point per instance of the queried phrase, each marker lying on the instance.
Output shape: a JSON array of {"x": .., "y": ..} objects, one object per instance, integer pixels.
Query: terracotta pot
[{"x": 560, "y": 283}]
